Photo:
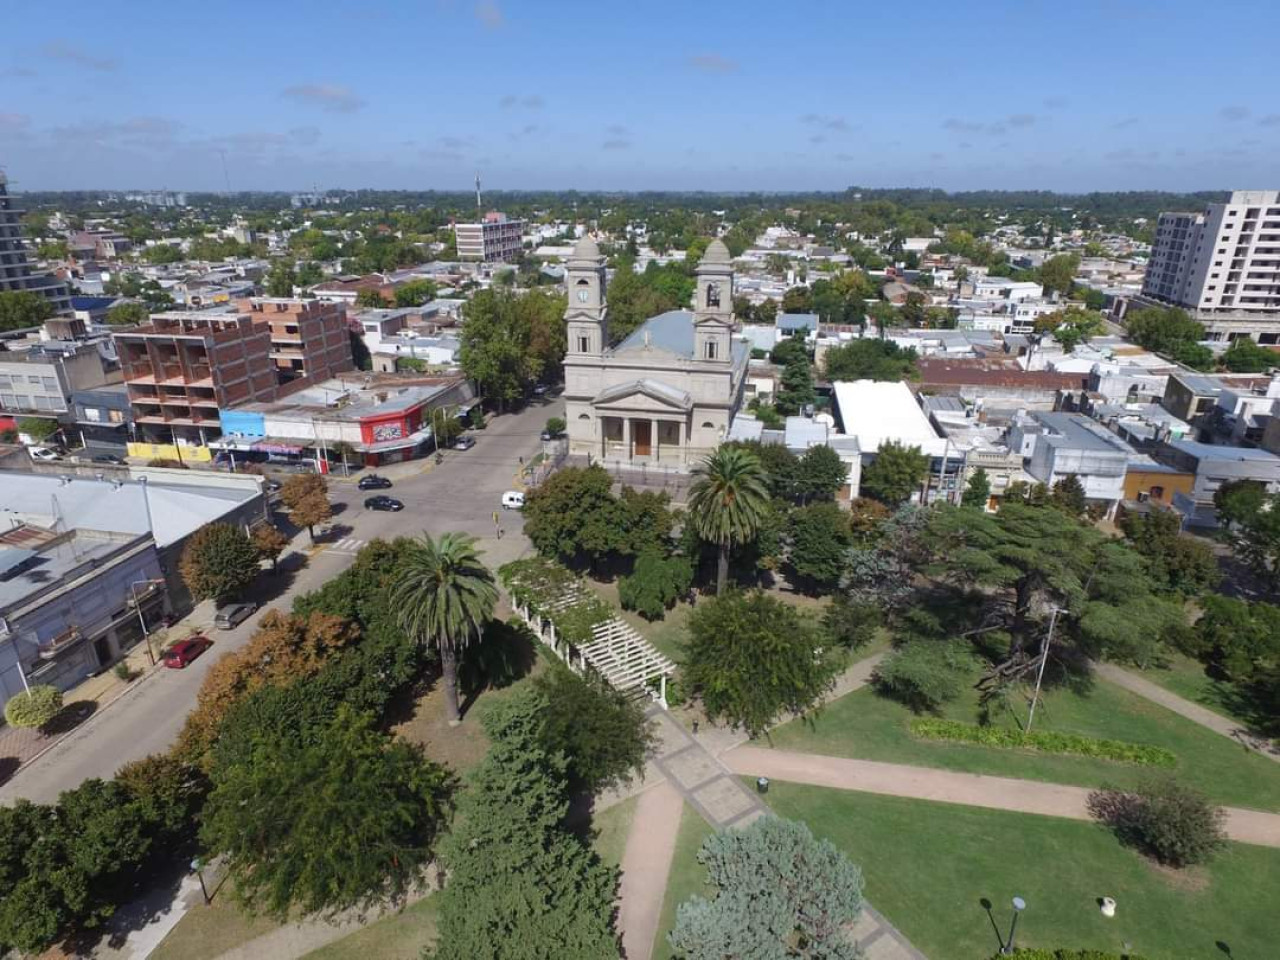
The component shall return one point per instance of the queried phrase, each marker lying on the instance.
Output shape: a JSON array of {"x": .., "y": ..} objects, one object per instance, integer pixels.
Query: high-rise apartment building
[
  {"x": 1222, "y": 265},
  {"x": 495, "y": 238},
  {"x": 183, "y": 368},
  {"x": 309, "y": 338},
  {"x": 16, "y": 273}
]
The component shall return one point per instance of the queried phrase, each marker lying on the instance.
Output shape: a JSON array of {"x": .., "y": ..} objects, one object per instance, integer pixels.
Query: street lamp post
[
  {"x": 1018, "y": 906},
  {"x": 146, "y": 634},
  {"x": 197, "y": 866}
]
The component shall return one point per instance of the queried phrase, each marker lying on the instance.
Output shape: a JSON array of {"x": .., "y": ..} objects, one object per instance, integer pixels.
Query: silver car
[{"x": 231, "y": 615}]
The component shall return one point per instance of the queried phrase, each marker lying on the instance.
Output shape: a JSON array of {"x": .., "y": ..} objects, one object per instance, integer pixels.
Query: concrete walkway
[
  {"x": 646, "y": 864},
  {"x": 1192, "y": 711},
  {"x": 966, "y": 789},
  {"x": 684, "y": 766}
]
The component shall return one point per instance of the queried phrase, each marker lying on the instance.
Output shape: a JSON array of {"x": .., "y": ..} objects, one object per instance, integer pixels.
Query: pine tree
[
  {"x": 780, "y": 893},
  {"x": 521, "y": 886}
]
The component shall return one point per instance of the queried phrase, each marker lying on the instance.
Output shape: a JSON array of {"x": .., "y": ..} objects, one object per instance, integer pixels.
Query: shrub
[
  {"x": 1167, "y": 820},
  {"x": 34, "y": 707},
  {"x": 122, "y": 671},
  {"x": 924, "y": 674},
  {"x": 655, "y": 584},
  {"x": 932, "y": 728}
]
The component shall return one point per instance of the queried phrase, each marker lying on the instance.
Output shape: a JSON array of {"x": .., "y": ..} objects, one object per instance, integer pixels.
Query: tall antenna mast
[
  {"x": 226, "y": 179},
  {"x": 478, "y": 206}
]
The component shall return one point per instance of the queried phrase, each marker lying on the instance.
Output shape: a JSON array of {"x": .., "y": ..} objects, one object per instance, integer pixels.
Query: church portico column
[
  {"x": 626, "y": 437},
  {"x": 655, "y": 440}
]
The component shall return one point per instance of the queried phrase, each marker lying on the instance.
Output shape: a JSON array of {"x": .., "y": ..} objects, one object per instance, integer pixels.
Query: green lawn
[
  {"x": 207, "y": 932},
  {"x": 1186, "y": 677},
  {"x": 687, "y": 875},
  {"x": 611, "y": 828},
  {"x": 928, "y": 865},
  {"x": 400, "y": 936},
  {"x": 868, "y": 726}
]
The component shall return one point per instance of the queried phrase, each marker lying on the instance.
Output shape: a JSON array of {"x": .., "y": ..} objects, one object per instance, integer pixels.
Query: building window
[
  {"x": 711, "y": 349},
  {"x": 583, "y": 345},
  {"x": 713, "y": 294}
]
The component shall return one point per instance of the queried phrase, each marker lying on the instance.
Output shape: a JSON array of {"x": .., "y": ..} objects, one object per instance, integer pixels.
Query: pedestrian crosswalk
[{"x": 348, "y": 546}]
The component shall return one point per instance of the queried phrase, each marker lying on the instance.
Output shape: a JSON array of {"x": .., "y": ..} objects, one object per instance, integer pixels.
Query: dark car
[
  {"x": 184, "y": 651},
  {"x": 383, "y": 503},
  {"x": 107, "y": 458},
  {"x": 231, "y": 615},
  {"x": 465, "y": 443},
  {"x": 373, "y": 482}
]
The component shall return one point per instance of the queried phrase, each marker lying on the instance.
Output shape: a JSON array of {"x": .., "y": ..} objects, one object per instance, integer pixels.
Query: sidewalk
[
  {"x": 966, "y": 789},
  {"x": 646, "y": 864},
  {"x": 1216, "y": 722}
]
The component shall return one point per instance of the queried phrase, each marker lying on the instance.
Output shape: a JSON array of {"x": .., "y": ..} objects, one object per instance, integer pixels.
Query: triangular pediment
[{"x": 643, "y": 395}]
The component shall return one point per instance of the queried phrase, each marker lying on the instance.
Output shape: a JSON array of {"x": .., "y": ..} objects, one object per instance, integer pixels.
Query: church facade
[{"x": 667, "y": 394}]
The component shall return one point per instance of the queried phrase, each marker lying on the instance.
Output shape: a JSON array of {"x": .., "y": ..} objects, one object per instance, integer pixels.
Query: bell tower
[
  {"x": 587, "y": 312},
  {"x": 713, "y": 305}
]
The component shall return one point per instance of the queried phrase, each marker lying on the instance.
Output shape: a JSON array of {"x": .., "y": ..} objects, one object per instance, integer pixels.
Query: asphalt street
[{"x": 462, "y": 493}]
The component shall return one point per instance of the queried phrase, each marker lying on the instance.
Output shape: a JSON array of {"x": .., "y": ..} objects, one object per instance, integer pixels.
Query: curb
[{"x": 102, "y": 706}]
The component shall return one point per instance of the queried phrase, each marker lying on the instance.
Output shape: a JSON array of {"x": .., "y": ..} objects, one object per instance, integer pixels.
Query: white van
[{"x": 512, "y": 500}]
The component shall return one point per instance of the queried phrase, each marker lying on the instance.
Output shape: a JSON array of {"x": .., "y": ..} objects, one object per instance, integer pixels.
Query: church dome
[
  {"x": 585, "y": 249},
  {"x": 717, "y": 252}
]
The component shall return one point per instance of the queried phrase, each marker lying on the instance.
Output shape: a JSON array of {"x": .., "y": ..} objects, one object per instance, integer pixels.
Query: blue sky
[{"x": 647, "y": 94}]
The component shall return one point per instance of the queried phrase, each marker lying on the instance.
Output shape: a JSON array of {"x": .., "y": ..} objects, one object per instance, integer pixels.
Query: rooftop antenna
[
  {"x": 226, "y": 178},
  {"x": 478, "y": 207}
]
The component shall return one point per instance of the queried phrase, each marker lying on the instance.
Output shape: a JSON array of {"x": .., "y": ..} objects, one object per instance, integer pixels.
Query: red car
[{"x": 184, "y": 651}]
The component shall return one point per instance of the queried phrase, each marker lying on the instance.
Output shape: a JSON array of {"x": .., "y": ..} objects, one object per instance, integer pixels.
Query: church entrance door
[{"x": 643, "y": 438}]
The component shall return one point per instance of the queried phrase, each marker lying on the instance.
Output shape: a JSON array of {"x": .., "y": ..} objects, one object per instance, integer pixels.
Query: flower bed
[{"x": 1069, "y": 744}]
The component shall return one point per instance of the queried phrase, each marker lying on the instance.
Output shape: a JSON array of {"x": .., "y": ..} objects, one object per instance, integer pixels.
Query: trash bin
[{"x": 762, "y": 784}]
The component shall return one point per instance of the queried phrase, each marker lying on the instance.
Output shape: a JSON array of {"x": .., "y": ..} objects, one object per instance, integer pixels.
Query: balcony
[{"x": 57, "y": 646}]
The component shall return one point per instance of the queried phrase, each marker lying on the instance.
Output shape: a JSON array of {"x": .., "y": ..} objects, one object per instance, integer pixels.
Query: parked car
[
  {"x": 465, "y": 443},
  {"x": 231, "y": 615},
  {"x": 107, "y": 458},
  {"x": 383, "y": 503},
  {"x": 184, "y": 651},
  {"x": 540, "y": 390},
  {"x": 512, "y": 500},
  {"x": 372, "y": 481},
  {"x": 43, "y": 453}
]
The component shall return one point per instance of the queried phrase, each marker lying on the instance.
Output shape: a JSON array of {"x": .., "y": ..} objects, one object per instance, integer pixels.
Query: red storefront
[{"x": 393, "y": 436}]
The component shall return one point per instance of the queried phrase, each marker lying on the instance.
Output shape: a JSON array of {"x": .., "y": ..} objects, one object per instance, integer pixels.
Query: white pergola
[{"x": 616, "y": 650}]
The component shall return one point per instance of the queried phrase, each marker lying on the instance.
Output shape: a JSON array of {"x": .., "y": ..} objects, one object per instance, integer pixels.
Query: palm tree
[
  {"x": 445, "y": 595},
  {"x": 728, "y": 501}
]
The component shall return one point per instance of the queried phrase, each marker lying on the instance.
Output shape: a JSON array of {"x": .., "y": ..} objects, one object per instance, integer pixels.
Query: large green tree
[
  {"x": 23, "y": 308},
  {"x": 511, "y": 341},
  {"x": 869, "y": 359},
  {"x": 129, "y": 313},
  {"x": 445, "y": 596},
  {"x": 896, "y": 473},
  {"x": 218, "y": 562},
  {"x": 779, "y": 893},
  {"x": 602, "y": 733},
  {"x": 753, "y": 658},
  {"x": 1181, "y": 563},
  {"x": 522, "y": 886},
  {"x": 820, "y": 539},
  {"x": 1058, "y": 273},
  {"x": 1246, "y": 356},
  {"x": 341, "y": 818},
  {"x": 977, "y": 491},
  {"x": 727, "y": 502},
  {"x": 820, "y": 473}
]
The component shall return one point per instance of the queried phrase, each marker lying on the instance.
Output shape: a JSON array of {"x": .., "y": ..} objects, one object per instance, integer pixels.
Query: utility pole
[
  {"x": 1044, "y": 658},
  {"x": 479, "y": 208}
]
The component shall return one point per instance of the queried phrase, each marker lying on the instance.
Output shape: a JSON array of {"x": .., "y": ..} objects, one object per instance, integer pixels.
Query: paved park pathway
[
  {"x": 1192, "y": 711},
  {"x": 966, "y": 789},
  {"x": 687, "y": 769}
]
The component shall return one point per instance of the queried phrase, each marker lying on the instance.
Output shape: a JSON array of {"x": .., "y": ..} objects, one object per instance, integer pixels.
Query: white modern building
[
  {"x": 495, "y": 238},
  {"x": 1223, "y": 265}
]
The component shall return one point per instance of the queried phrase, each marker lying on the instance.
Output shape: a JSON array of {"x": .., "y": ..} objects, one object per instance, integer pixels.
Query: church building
[{"x": 667, "y": 394}]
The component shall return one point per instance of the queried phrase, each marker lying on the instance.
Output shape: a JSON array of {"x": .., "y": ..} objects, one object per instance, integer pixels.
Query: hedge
[
  {"x": 931, "y": 728},
  {"x": 1063, "y": 953},
  {"x": 34, "y": 707}
]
